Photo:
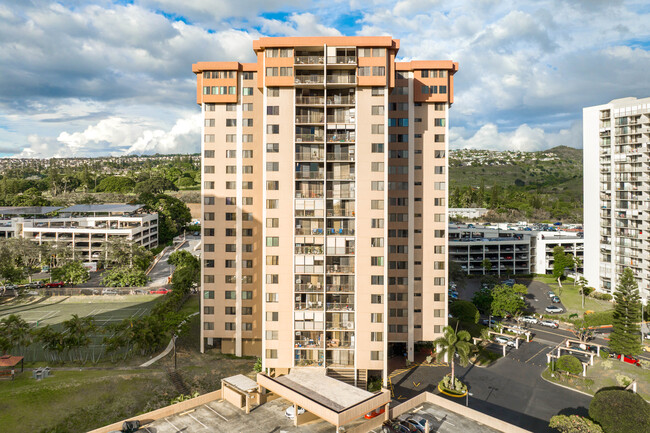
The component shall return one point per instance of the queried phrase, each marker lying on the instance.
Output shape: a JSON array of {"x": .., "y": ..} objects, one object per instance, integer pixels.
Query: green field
[{"x": 105, "y": 310}]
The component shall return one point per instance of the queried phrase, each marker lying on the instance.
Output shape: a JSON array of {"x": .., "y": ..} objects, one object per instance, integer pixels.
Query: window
[
  {"x": 403, "y": 90},
  {"x": 377, "y": 147},
  {"x": 272, "y": 260},
  {"x": 440, "y": 186},
  {"x": 247, "y": 169},
  {"x": 230, "y": 169},
  {"x": 208, "y": 200},
  {"x": 376, "y": 355},
  {"x": 208, "y": 310},
  {"x": 439, "y": 169},
  {"x": 377, "y": 280},
  {"x": 439, "y": 122},
  {"x": 272, "y": 222},
  {"x": 272, "y": 204},
  {"x": 247, "y": 263},
  {"x": 377, "y": 223},
  {"x": 246, "y": 311},
  {"x": 272, "y": 129},
  {"x": 247, "y": 294},
  {"x": 272, "y": 147},
  {"x": 377, "y": 204},
  {"x": 230, "y": 263},
  {"x": 231, "y": 201},
  {"x": 272, "y": 353},
  {"x": 398, "y": 138},
  {"x": 376, "y": 318},
  {"x": 247, "y": 232},
  {"x": 439, "y": 233},
  {"x": 438, "y": 313},
  {"x": 247, "y": 91},
  {"x": 273, "y": 110},
  {"x": 442, "y": 89},
  {"x": 272, "y": 297},
  {"x": 376, "y": 242},
  {"x": 439, "y": 265},
  {"x": 272, "y": 278},
  {"x": 231, "y": 122},
  {"x": 377, "y": 128},
  {"x": 376, "y": 261},
  {"x": 231, "y": 154},
  {"x": 378, "y": 91},
  {"x": 247, "y": 106},
  {"x": 208, "y": 232},
  {"x": 247, "y": 326},
  {"x": 397, "y": 297},
  {"x": 377, "y": 166},
  {"x": 439, "y": 154},
  {"x": 208, "y": 279},
  {"x": 208, "y": 169},
  {"x": 376, "y": 336},
  {"x": 231, "y": 232},
  {"x": 230, "y": 294},
  {"x": 439, "y": 249},
  {"x": 398, "y": 122},
  {"x": 439, "y": 138},
  {"x": 208, "y": 294},
  {"x": 377, "y": 185},
  {"x": 208, "y": 138},
  {"x": 439, "y": 202},
  {"x": 247, "y": 122},
  {"x": 272, "y": 185},
  {"x": 210, "y": 107},
  {"x": 271, "y": 335},
  {"x": 208, "y": 326},
  {"x": 247, "y": 185},
  {"x": 208, "y": 248},
  {"x": 273, "y": 91},
  {"x": 377, "y": 110},
  {"x": 209, "y": 122},
  {"x": 286, "y": 71},
  {"x": 247, "y": 138},
  {"x": 231, "y": 248},
  {"x": 364, "y": 71},
  {"x": 231, "y": 311},
  {"x": 208, "y": 216},
  {"x": 437, "y": 297},
  {"x": 272, "y": 166},
  {"x": 272, "y": 316},
  {"x": 376, "y": 299},
  {"x": 230, "y": 326},
  {"x": 231, "y": 138},
  {"x": 272, "y": 241},
  {"x": 231, "y": 107},
  {"x": 272, "y": 72},
  {"x": 208, "y": 154},
  {"x": 231, "y": 185},
  {"x": 379, "y": 71}
]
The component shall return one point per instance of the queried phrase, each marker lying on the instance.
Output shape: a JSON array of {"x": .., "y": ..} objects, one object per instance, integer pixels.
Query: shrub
[
  {"x": 570, "y": 364},
  {"x": 619, "y": 411},
  {"x": 574, "y": 424},
  {"x": 465, "y": 311},
  {"x": 589, "y": 291},
  {"x": 459, "y": 387},
  {"x": 258, "y": 365},
  {"x": 623, "y": 380},
  {"x": 607, "y": 364},
  {"x": 601, "y": 296}
]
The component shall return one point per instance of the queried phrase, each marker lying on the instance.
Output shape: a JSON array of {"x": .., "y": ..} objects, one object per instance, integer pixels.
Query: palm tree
[
  {"x": 16, "y": 331},
  {"x": 451, "y": 343}
]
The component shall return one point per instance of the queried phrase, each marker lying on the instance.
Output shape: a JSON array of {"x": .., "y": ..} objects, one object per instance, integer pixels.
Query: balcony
[
  {"x": 340, "y": 231},
  {"x": 340, "y": 288},
  {"x": 339, "y": 176},
  {"x": 309, "y": 156},
  {"x": 342, "y": 325},
  {"x": 341, "y": 79},
  {"x": 340, "y": 194},
  {"x": 308, "y": 306},
  {"x": 310, "y": 118},
  {"x": 338, "y": 156},
  {"x": 309, "y": 175},
  {"x": 315, "y": 193},
  {"x": 309, "y": 287},
  {"x": 340, "y": 269},
  {"x": 341, "y": 60},
  {"x": 343, "y": 137},
  {"x": 309, "y": 60},
  {"x": 340, "y": 213},
  {"x": 340, "y": 251},
  {"x": 342, "y": 118},
  {"x": 340, "y": 100},
  {"x": 309, "y": 249},
  {"x": 310, "y": 100},
  {"x": 308, "y": 231},
  {"x": 339, "y": 306},
  {"x": 307, "y": 138},
  {"x": 309, "y": 79},
  {"x": 342, "y": 358}
]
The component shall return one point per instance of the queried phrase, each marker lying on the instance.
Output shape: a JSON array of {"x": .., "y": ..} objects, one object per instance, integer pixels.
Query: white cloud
[{"x": 305, "y": 24}]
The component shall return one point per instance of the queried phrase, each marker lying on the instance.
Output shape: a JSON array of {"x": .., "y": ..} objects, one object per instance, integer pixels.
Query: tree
[
  {"x": 464, "y": 311},
  {"x": 16, "y": 332},
  {"x": 582, "y": 283},
  {"x": 506, "y": 300},
  {"x": 582, "y": 331},
  {"x": 483, "y": 301},
  {"x": 624, "y": 338},
  {"x": 9, "y": 269},
  {"x": 619, "y": 411},
  {"x": 456, "y": 273},
  {"x": 173, "y": 214},
  {"x": 487, "y": 265},
  {"x": 72, "y": 273},
  {"x": 122, "y": 252},
  {"x": 77, "y": 330},
  {"x": 574, "y": 424},
  {"x": 182, "y": 258},
  {"x": 452, "y": 343},
  {"x": 124, "y": 277},
  {"x": 570, "y": 364},
  {"x": 560, "y": 262},
  {"x": 119, "y": 184}
]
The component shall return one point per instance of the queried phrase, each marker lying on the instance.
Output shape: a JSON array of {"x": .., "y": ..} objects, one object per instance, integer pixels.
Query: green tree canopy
[
  {"x": 506, "y": 300},
  {"x": 124, "y": 276},
  {"x": 619, "y": 411},
  {"x": 72, "y": 272},
  {"x": 574, "y": 424},
  {"x": 570, "y": 364},
  {"x": 625, "y": 336},
  {"x": 464, "y": 311},
  {"x": 120, "y": 184},
  {"x": 561, "y": 261},
  {"x": 454, "y": 343}
]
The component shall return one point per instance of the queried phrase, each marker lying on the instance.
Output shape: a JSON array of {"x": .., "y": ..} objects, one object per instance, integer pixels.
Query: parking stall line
[
  {"x": 175, "y": 428},
  {"x": 222, "y": 417},
  {"x": 540, "y": 351},
  {"x": 191, "y": 416}
]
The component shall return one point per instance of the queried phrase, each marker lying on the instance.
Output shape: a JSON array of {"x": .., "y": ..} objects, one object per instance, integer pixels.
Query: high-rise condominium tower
[
  {"x": 324, "y": 203},
  {"x": 616, "y": 145}
]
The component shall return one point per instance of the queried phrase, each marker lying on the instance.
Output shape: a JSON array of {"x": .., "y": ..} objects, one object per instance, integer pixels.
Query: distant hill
[{"x": 535, "y": 186}]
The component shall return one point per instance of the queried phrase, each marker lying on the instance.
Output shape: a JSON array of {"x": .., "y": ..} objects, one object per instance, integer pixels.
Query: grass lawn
[
  {"x": 571, "y": 298},
  {"x": 604, "y": 374},
  {"x": 485, "y": 357}
]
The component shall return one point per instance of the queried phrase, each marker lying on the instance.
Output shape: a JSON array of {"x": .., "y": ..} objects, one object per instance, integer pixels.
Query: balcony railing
[
  {"x": 309, "y": 156},
  {"x": 302, "y": 138},
  {"x": 341, "y": 119},
  {"x": 340, "y": 194},
  {"x": 310, "y": 100},
  {"x": 340, "y": 269},
  {"x": 340, "y": 250},
  {"x": 308, "y": 306},
  {"x": 340, "y": 213},
  {"x": 316, "y": 249},
  {"x": 309, "y": 344},
  {"x": 308, "y": 287},
  {"x": 342, "y": 60},
  {"x": 309, "y": 231},
  {"x": 310, "y": 118},
  {"x": 340, "y": 325},
  {"x": 309, "y": 194},
  {"x": 340, "y": 100},
  {"x": 309, "y": 79},
  {"x": 340, "y": 288},
  {"x": 339, "y": 231},
  {"x": 341, "y": 79},
  {"x": 309, "y": 175},
  {"x": 334, "y": 343},
  {"x": 337, "y": 156},
  {"x": 309, "y": 60},
  {"x": 340, "y": 176},
  {"x": 341, "y": 138},
  {"x": 339, "y": 306}
]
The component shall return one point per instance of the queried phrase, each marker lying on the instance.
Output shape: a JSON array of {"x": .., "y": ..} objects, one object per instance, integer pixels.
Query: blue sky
[{"x": 98, "y": 77}]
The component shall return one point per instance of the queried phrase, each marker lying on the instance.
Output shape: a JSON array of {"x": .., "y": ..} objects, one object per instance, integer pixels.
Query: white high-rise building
[{"x": 616, "y": 149}]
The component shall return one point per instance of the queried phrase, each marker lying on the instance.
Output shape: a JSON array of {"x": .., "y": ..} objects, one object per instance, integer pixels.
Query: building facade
[
  {"x": 324, "y": 203},
  {"x": 85, "y": 229},
  {"x": 616, "y": 142}
]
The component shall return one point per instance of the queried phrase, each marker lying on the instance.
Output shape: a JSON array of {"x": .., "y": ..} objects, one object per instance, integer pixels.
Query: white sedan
[
  {"x": 529, "y": 319},
  {"x": 554, "y": 309}
]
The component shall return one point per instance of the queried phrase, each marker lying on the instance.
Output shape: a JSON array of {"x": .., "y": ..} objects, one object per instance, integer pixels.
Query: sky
[{"x": 100, "y": 77}]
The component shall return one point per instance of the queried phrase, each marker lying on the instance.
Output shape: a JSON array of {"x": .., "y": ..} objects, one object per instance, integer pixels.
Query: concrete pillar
[
  {"x": 548, "y": 358},
  {"x": 592, "y": 360},
  {"x": 387, "y": 412},
  {"x": 584, "y": 369},
  {"x": 504, "y": 350},
  {"x": 516, "y": 343},
  {"x": 295, "y": 416}
]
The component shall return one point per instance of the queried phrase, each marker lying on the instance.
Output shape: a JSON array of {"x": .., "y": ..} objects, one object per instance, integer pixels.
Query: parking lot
[{"x": 443, "y": 421}]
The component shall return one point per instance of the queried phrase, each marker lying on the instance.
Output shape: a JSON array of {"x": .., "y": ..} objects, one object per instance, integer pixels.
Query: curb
[{"x": 565, "y": 387}]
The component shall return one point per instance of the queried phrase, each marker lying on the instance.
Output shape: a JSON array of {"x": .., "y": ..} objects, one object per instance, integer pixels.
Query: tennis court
[{"x": 105, "y": 310}]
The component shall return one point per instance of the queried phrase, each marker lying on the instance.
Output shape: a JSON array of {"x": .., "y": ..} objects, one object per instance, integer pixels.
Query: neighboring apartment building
[
  {"x": 467, "y": 212},
  {"x": 510, "y": 251},
  {"x": 616, "y": 143},
  {"x": 84, "y": 228},
  {"x": 324, "y": 203}
]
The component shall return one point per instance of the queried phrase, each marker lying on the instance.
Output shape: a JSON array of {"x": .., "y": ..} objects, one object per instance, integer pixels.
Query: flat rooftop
[
  {"x": 102, "y": 208},
  {"x": 329, "y": 392},
  {"x": 28, "y": 210}
]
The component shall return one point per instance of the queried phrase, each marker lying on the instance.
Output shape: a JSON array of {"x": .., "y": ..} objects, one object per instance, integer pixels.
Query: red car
[
  {"x": 160, "y": 291},
  {"x": 375, "y": 412},
  {"x": 55, "y": 284},
  {"x": 629, "y": 359}
]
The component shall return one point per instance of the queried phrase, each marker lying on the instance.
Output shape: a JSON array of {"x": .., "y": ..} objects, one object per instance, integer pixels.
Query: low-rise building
[
  {"x": 84, "y": 228},
  {"x": 467, "y": 212},
  {"x": 510, "y": 250}
]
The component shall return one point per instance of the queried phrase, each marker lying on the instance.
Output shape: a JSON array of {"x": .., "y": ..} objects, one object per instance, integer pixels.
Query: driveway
[{"x": 511, "y": 389}]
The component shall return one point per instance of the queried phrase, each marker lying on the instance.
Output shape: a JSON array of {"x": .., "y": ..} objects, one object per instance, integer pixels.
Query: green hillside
[{"x": 535, "y": 186}]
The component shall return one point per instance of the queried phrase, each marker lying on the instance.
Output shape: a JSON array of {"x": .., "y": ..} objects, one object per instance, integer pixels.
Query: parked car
[
  {"x": 629, "y": 359},
  {"x": 529, "y": 319},
  {"x": 387, "y": 427},
  {"x": 517, "y": 330},
  {"x": 509, "y": 282},
  {"x": 411, "y": 428},
  {"x": 109, "y": 292},
  {"x": 31, "y": 293},
  {"x": 34, "y": 285},
  {"x": 160, "y": 291},
  {"x": 55, "y": 284},
  {"x": 556, "y": 299},
  {"x": 550, "y": 323},
  {"x": 551, "y": 293},
  {"x": 375, "y": 413},
  {"x": 418, "y": 421},
  {"x": 11, "y": 287},
  {"x": 504, "y": 340},
  {"x": 140, "y": 291},
  {"x": 553, "y": 309},
  {"x": 291, "y": 413},
  {"x": 486, "y": 322}
]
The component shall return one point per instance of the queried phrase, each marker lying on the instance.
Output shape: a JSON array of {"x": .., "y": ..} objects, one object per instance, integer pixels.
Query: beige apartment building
[{"x": 324, "y": 204}]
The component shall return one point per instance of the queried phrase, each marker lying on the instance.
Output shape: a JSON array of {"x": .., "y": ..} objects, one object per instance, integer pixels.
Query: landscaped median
[{"x": 444, "y": 386}]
